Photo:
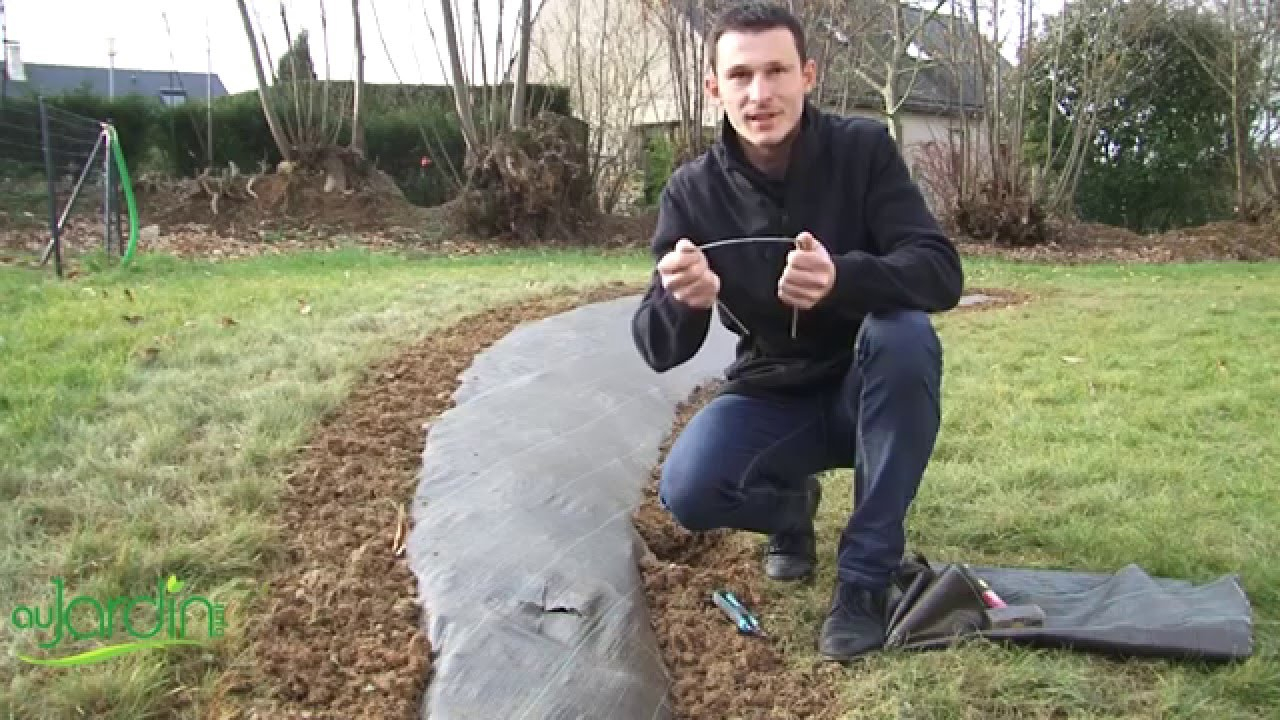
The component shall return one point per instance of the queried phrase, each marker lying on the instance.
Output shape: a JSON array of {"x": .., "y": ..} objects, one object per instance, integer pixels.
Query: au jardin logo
[{"x": 82, "y": 617}]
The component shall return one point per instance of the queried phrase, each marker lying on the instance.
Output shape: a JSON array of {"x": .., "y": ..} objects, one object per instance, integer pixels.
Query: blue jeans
[{"x": 741, "y": 462}]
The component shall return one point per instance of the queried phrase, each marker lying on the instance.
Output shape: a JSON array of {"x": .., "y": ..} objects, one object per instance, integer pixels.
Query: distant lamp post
[{"x": 111, "y": 71}]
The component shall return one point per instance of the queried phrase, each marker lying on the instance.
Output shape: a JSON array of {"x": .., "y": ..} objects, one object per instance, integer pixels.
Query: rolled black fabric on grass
[
  {"x": 523, "y": 542},
  {"x": 1125, "y": 614}
]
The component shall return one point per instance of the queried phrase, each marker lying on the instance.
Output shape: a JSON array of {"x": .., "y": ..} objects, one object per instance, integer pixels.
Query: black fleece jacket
[{"x": 847, "y": 184}]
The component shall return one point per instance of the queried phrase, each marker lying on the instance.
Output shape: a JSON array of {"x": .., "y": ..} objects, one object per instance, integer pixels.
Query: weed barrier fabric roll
[
  {"x": 522, "y": 540},
  {"x": 1129, "y": 613},
  {"x": 1123, "y": 614}
]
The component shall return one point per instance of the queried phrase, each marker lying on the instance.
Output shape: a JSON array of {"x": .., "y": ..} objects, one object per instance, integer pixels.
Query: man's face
[{"x": 761, "y": 83}]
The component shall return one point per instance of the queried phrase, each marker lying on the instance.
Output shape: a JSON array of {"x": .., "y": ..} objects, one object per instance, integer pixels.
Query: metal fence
[{"x": 57, "y": 168}]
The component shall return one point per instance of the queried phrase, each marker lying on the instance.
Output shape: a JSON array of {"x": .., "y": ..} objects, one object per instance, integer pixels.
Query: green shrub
[
  {"x": 659, "y": 164},
  {"x": 240, "y": 135},
  {"x": 396, "y": 142}
]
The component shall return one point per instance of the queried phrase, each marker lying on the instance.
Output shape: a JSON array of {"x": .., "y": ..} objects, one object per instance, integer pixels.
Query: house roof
[
  {"x": 16, "y": 88},
  {"x": 943, "y": 60},
  {"x": 59, "y": 79}
]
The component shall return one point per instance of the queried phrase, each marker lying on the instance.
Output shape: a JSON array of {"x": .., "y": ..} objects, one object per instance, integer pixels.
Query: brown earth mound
[
  {"x": 274, "y": 203},
  {"x": 1092, "y": 242},
  {"x": 339, "y": 635},
  {"x": 716, "y": 672},
  {"x": 192, "y": 240}
]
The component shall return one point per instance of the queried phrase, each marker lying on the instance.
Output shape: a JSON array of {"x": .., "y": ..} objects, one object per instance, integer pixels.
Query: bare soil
[
  {"x": 1092, "y": 242},
  {"x": 293, "y": 212},
  {"x": 994, "y": 298},
  {"x": 278, "y": 203},
  {"x": 339, "y": 635},
  {"x": 716, "y": 672},
  {"x": 174, "y": 223}
]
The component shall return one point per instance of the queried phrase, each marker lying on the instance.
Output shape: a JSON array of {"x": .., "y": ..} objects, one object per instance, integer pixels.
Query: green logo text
[{"x": 167, "y": 627}]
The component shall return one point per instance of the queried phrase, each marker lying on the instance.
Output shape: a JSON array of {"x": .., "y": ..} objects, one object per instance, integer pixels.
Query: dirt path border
[{"x": 339, "y": 635}]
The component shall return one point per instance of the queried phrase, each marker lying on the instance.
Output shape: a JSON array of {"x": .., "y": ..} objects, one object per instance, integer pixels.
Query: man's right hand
[{"x": 686, "y": 275}]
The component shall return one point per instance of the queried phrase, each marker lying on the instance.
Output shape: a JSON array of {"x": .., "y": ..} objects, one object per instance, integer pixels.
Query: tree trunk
[
  {"x": 282, "y": 143},
  {"x": 892, "y": 115},
  {"x": 1237, "y": 121},
  {"x": 461, "y": 88},
  {"x": 357, "y": 119},
  {"x": 522, "y": 67}
]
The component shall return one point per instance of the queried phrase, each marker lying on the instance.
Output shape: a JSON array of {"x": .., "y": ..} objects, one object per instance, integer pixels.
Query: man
[{"x": 837, "y": 362}]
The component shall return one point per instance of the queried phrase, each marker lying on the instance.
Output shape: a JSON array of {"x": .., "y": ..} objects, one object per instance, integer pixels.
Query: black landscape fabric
[{"x": 523, "y": 542}]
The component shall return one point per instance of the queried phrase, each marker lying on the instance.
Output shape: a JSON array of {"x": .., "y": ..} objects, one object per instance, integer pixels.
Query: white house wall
[{"x": 613, "y": 57}]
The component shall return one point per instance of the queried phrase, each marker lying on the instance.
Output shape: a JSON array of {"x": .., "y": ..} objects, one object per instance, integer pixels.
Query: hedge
[{"x": 403, "y": 124}]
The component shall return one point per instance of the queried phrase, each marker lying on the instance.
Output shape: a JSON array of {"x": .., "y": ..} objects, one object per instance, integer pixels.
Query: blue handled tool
[{"x": 742, "y": 618}]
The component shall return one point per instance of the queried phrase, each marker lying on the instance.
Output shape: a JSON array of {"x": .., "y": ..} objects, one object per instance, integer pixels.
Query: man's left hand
[{"x": 809, "y": 274}]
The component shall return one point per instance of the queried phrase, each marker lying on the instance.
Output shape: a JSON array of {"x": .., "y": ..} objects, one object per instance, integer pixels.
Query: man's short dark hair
[{"x": 755, "y": 16}]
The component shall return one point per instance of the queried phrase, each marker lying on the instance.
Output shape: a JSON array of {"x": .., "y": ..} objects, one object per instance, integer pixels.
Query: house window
[{"x": 173, "y": 97}]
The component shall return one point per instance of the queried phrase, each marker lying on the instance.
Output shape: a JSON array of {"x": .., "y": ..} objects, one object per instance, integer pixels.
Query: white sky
[{"x": 76, "y": 32}]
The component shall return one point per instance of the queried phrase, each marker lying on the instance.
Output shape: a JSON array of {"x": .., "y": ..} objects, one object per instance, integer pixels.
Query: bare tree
[
  {"x": 1099, "y": 73},
  {"x": 616, "y": 77},
  {"x": 277, "y": 134},
  {"x": 461, "y": 84},
  {"x": 522, "y": 67},
  {"x": 876, "y": 43},
  {"x": 357, "y": 105},
  {"x": 990, "y": 182},
  {"x": 683, "y": 24},
  {"x": 1242, "y": 72},
  {"x": 1269, "y": 97}
]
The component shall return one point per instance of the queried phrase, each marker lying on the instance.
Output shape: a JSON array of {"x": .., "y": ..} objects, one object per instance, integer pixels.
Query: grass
[
  {"x": 1126, "y": 415},
  {"x": 134, "y": 448},
  {"x": 147, "y": 418}
]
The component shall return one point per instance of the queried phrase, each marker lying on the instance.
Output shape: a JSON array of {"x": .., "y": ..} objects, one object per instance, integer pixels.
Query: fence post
[
  {"x": 47, "y": 147},
  {"x": 118, "y": 204},
  {"x": 106, "y": 193}
]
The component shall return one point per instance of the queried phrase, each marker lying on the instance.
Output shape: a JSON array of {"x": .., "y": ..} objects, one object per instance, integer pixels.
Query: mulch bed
[
  {"x": 1093, "y": 243},
  {"x": 412, "y": 228},
  {"x": 716, "y": 672},
  {"x": 339, "y": 634}
]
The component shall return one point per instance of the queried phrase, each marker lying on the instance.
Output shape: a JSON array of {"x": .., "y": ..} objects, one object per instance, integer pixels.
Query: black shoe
[
  {"x": 793, "y": 556},
  {"x": 856, "y": 623}
]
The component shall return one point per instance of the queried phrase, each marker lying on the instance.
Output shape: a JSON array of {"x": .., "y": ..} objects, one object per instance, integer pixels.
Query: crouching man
[{"x": 837, "y": 363}]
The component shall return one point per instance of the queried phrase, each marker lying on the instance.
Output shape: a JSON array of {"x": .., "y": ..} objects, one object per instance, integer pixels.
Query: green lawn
[
  {"x": 135, "y": 448},
  {"x": 131, "y": 448},
  {"x": 1153, "y": 443}
]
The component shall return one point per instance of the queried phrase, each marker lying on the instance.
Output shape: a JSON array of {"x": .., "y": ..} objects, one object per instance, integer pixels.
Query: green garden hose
[{"x": 128, "y": 195}]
